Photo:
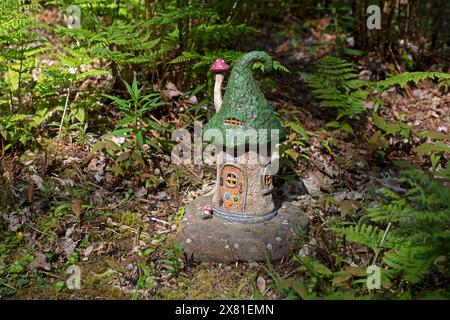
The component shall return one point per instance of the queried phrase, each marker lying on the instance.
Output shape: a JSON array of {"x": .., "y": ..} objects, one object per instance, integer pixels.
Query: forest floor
[{"x": 121, "y": 236}]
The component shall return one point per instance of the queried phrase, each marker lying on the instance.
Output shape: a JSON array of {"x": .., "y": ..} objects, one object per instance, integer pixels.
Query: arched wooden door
[{"x": 233, "y": 188}]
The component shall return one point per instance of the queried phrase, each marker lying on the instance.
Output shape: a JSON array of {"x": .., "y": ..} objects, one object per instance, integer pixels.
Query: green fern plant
[
  {"x": 34, "y": 92},
  {"x": 335, "y": 84},
  {"x": 20, "y": 44},
  {"x": 409, "y": 231},
  {"x": 406, "y": 235},
  {"x": 163, "y": 39},
  {"x": 444, "y": 172},
  {"x": 435, "y": 143}
]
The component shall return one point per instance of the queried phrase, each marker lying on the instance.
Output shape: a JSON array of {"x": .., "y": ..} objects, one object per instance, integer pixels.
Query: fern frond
[
  {"x": 367, "y": 234},
  {"x": 185, "y": 57},
  {"x": 404, "y": 78},
  {"x": 335, "y": 84},
  {"x": 420, "y": 218}
]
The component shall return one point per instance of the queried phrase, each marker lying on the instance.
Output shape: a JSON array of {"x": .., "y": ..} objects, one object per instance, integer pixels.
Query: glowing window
[{"x": 233, "y": 122}]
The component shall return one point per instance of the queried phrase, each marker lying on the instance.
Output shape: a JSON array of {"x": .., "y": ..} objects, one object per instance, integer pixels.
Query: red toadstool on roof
[{"x": 219, "y": 65}]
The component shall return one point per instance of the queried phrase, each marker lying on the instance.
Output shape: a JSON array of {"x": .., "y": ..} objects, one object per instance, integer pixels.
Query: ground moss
[{"x": 210, "y": 283}]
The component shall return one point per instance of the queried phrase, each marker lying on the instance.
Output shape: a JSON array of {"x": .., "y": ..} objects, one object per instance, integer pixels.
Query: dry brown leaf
[
  {"x": 171, "y": 91},
  {"x": 76, "y": 207},
  {"x": 40, "y": 262},
  {"x": 261, "y": 284},
  {"x": 30, "y": 192}
]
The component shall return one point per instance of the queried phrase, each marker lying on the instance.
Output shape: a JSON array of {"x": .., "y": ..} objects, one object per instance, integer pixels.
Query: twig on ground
[{"x": 161, "y": 221}]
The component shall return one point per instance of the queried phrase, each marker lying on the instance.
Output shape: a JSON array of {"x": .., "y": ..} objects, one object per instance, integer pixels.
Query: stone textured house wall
[{"x": 256, "y": 202}]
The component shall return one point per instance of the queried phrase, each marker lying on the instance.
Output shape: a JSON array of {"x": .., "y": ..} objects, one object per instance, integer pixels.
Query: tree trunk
[{"x": 438, "y": 21}]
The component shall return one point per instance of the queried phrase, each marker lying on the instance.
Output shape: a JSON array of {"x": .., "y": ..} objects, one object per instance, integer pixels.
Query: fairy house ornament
[
  {"x": 247, "y": 123},
  {"x": 241, "y": 220}
]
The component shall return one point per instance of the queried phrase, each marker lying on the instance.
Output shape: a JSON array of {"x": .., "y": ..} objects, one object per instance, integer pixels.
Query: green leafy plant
[
  {"x": 405, "y": 234},
  {"x": 408, "y": 232},
  {"x": 436, "y": 145},
  {"x": 140, "y": 131},
  {"x": 335, "y": 84},
  {"x": 20, "y": 44},
  {"x": 15, "y": 275},
  {"x": 295, "y": 144},
  {"x": 147, "y": 272},
  {"x": 173, "y": 261},
  {"x": 35, "y": 91}
]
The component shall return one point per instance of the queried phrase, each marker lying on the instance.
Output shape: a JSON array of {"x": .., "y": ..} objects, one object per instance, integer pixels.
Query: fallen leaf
[
  {"x": 38, "y": 181},
  {"x": 171, "y": 91},
  {"x": 88, "y": 250},
  {"x": 141, "y": 193},
  {"x": 69, "y": 247},
  {"x": 341, "y": 280},
  {"x": 30, "y": 192},
  {"x": 114, "y": 265},
  {"x": 76, "y": 207},
  {"x": 313, "y": 182},
  {"x": 356, "y": 271},
  {"x": 40, "y": 262},
  {"x": 261, "y": 284},
  {"x": 172, "y": 180},
  {"x": 347, "y": 207}
]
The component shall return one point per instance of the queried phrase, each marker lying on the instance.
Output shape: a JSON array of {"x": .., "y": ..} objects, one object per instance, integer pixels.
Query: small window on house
[
  {"x": 267, "y": 182},
  {"x": 233, "y": 122},
  {"x": 231, "y": 180}
]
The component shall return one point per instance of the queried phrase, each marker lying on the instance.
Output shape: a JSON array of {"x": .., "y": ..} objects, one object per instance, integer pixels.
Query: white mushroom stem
[{"x": 218, "y": 91}]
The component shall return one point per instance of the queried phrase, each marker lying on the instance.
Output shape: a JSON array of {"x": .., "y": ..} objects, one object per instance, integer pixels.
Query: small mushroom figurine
[
  {"x": 218, "y": 67},
  {"x": 207, "y": 212}
]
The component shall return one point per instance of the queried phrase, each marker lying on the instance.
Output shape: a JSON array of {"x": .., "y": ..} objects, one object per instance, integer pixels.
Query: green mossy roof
[{"x": 243, "y": 100}]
